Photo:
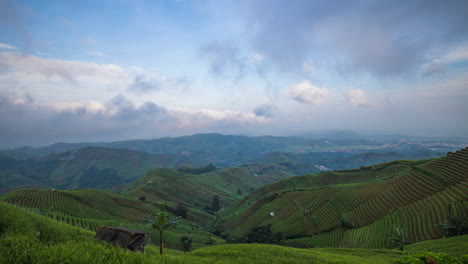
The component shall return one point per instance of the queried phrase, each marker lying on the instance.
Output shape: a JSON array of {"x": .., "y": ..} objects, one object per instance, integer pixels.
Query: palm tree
[{"x": 160, "y": 223}]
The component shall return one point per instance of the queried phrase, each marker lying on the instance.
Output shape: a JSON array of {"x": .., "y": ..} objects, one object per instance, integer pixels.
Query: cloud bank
[{"x": 24, "y": 121}]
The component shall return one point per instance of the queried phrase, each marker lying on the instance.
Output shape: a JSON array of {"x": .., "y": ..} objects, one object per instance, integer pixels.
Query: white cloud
[
  {"x": 68, "y": 70},
  {"x": 440, "y": 63},
  {"x": 307, "y": 93},
  {"x": 7, "y": 46},
  {"x": 356, "y": 97}
]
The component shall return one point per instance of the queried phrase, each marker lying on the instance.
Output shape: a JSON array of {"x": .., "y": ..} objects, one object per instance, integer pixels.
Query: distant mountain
[
  {"x": 306, "y": 163},
  {"x": 220, "y": 150},
  {"x": 360, "y": 207},
  {"x": 332, "y": 134},
  {"x": 89, "y": 167}
]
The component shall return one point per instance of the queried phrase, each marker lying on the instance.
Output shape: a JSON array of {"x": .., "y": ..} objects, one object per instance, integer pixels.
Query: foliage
[
  {"x": 181, "y": 210},
  {"x": 100, "y": 179},
  {"x": 433, "y": 258},
  {"x": 345, "y": 223},
  {"x": 198, "y": 171},
  {"x": 215, "y": 204},
  {"x": 455, "y": 246},
  {"x": 186, "y": 243},
  {"x": 160, "y": 223},
  {"x": 398, "y": 239},
  {"x": 263, "y": 235},
  {"x": 456, "y": 227}
]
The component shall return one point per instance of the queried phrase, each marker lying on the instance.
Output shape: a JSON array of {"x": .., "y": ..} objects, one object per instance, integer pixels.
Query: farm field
[
  {"x": 31, "y": 238},
  {"x": 89, "y": 209},
  {"x": 356, "y": 208},
  {"x": 359, "y": 208}
]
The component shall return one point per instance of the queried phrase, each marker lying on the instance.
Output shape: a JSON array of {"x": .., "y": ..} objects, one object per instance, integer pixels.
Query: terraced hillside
[
  {"x": 359, "y": 208},
  {"x": 91, "y": 167},
  {"x": 198, "y": 191},
  {"x": 90, "y": 209},
  {"x": 31, "y": 238}
]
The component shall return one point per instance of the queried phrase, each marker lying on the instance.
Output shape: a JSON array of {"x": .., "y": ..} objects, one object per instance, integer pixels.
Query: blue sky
[{"x": 113, "y": 70}]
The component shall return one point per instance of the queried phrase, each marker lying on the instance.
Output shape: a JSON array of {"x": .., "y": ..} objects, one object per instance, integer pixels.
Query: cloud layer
[
  {"x": 24, "y": 121},
  {"x": 383, "y": 38}
]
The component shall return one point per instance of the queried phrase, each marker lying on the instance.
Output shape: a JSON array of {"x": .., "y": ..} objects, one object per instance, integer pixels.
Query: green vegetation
[
  {"x": 160, "y": 223},
  {"x": 90, "y": 209},
  {"x": 359, "y": 208},
  {"x": 454, "y": 246},
  {"x": 331, "y": 214},
  {"x": 429, "y": 257},
  {"x": 198, "y": 171},
  {"x": 84, "y": 168},
  {"x": 197, "y": 191},
  {"x": 398, "y": 239}
]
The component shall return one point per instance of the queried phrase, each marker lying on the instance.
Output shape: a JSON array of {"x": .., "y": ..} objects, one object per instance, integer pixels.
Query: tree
[
  {"x": 263, "y": 234},
  {"x": 142, "y": 198},
  {"x": 181, "y": 209},
  {"x": 398, "y": 239},
  {"x": 456, "y": 227},
  {"x": 186, "y": 243},
  {"x": 239, "y": 191},
  {"x": 160, "y": 223},
  {"x": 215, "y": 204}
]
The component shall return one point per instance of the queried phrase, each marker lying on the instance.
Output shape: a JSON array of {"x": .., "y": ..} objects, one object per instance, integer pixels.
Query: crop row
[{"x": 406, "y": 190}]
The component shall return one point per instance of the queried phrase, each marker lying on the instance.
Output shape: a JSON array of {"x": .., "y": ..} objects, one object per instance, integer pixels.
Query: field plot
[{"x": 363, "y": 206}]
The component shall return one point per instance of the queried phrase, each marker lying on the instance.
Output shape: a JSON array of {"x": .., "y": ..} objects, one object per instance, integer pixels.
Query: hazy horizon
[{"x": 92, "y": 71}]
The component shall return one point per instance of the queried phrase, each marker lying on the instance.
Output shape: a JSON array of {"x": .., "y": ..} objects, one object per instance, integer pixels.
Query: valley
[{"x": 291, "y": 199}]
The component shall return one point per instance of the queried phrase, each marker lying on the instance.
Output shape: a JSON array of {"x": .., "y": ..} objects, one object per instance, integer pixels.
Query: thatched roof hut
[{"x": 123, "y": 237}]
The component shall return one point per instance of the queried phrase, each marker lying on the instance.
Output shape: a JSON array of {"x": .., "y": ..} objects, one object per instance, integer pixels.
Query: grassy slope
[
  {"x": 90, "y": 209},
  {"x": 30, "y": 238},
  {"x": 359, "y": 208},
  {"x": 198, "y": 190}
]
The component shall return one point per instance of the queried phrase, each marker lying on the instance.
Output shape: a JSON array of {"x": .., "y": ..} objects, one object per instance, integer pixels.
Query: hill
[
  {"x": 89, "y": 209},
  {"x": 229, "y": 184},
  {"x": 314, "y": 162},
  {"x": 361, "y": 207},
  {"x": 94, "y": 167},
  {"x": 31, "y": 238},
  {"x": 220, "y": 150}
]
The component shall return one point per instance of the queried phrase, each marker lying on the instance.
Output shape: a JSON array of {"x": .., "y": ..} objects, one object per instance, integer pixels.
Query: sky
[{"x": 81, "y": 71}]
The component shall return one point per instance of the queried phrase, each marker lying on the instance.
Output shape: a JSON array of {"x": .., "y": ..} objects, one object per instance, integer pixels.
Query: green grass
[
  {"x": 90, "y": 209},
  {"x": 454, "y": 246},
  {"x": 29, "y": 238}
]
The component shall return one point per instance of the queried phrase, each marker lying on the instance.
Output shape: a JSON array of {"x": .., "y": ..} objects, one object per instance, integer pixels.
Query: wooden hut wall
[{"x": 122, "y": 239}]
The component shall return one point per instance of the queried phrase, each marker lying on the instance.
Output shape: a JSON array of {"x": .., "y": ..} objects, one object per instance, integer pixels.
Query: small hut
[{"x": 123, "y": 237}]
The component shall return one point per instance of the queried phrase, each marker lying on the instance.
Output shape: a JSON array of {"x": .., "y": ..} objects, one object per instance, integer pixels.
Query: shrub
[{"x": 432, "y": 258}]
